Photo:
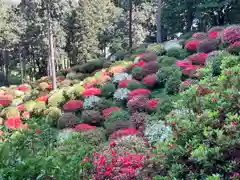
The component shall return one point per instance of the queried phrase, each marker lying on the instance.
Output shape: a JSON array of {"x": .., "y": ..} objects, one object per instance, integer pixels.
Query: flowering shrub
[
  {"x": 184, "y": 64},
  {"x": 94, "y": 137},
  {"x": 123, "y": 132},
  {"x": 199, "y": 35},
  {"x": 124, "y": 83},
  {"x": 91, "y": 92},
  {"x": 84, "y": 128},
  {"x": 137, "y": 64},
  {"x": 4, "y": 101},
  {"x": 150, "y": 80},
  {"x": 192, "y": 46},
  {"x": 213, "y": 35},
  {"x": 67, "y": 120},
  {"x": 107, "y": 112},
  {"x": 118, "y": 115},
  {"x": 198, "y": 59},
  {"x": 112, "y": 126},
  {"x": 113, "y": 165},
  {"x": 216, "y": 29},
  {"x": 234, "y": 48},
  {"x": 151, "y": 105},
  {"x": 191, "y": 70},
  {"x": 149, "y": 57},
  {"x": 57, "y": 99},
  {"x": 157, "y": 49},
  {"x": 108, "y": 90},
  {"x": 231, "y": 34},
  {"x": 20, "y": 108},
  {"x": 121, "y": 76},
  {"x": 23, "y": 89},
  {"x": 26, "y": 115},
  {"x": 186, "y": 84},
  {"x": 91, "y": 117},
  {"x": 158, "y": 132},
  {"x": 91, "y": 102},
  {"x": 137, "y": 103},
  {"x": 73, "y": 106},
  {"x": 121, "y": 94},
  {"x": 139, "y": 92},
  {"x": 139, "y": 119},
  {"x": 150, "y": 68},
  {"x": 13, "y": 123},
  {"x": 207, "y": 45},
  {"x": 42, "y": 99}
]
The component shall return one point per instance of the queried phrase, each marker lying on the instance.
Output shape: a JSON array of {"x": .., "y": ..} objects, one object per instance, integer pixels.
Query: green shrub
[
  {"x": 172, "y": 85},
  {"x": 134, "y": 85},
  {"x": 166, "y": 73},
  {"x": 91, "y": 117},
  {"x": 95, "y": 137},
  {"x": 104, "y": 104},
  {"x": 88, "y": 67},
  {"x": 108, "y": 90},
  {"x": 168, "y": 61},
  {"x": 156, "y": 48},
  {"x": 137, "y": 73},
  {"x": 178, "y": 53},
  {"x": 229, "y": 61},
  {"x": 118, "y": 115}
]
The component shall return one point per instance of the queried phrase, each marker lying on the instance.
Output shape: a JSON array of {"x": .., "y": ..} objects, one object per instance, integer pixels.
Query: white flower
[
  {"x": 121, "y": 94},
  {"x": 90, "y": 102},
  {"x": 121, "y": 76}
]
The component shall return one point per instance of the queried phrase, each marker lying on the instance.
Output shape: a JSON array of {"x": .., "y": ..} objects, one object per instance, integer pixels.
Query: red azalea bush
[
  {"x": 198, "y": 59},
  {"x": 84, "y": 128},
  {"x": 208, "y": 45},
  {"x": 151, "y": 105},
  {"x": 124, "y": 132},
  {"x": 231, "y": 34},
  {"x": 22, "y": 88},
  {"x": 14, "y": 123},
  {"x": 4, "y": 101},
  {"x": 150, "y": 68},
  {"x": 117, "y": 165},
  {"x": 150, "y": 80},
  {"x": 124, "y": 83},
  {"x": 137, "y": 103},
  {"x": 234, "y": 48},
  {"x": 183, "y": 64},
  {"x": 25, "y": 115},
  {"x": 192, "y": 46},
  {"x": 191, "y": 70},
  {"x": 107, "y": 112},
  {"x": 91, "y": 92},
  {"x": 213, "y": 35},
  {"x": 199, "y": 35},
  {"x": 139, "y": 92},
  {"x": 138, "y": 64},
  {"x": 73, "y": 106},
  {"x": 42, "y": 99}
]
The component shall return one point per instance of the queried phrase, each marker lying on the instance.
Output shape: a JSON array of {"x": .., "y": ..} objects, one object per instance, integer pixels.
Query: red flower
[
  {"x": 20, "y": 107},
  {"x": 91, "y": 92},
  {"x": 50, "y": 86},
  {"x": 1, "y": 133},
  {"x": 113, "y": 144},
  {"x": 88, "y": 85},
  {"x": 191, "y": 70},
  {"x": 186, "y": 83},
  {"x": 199, "y": 35},
  {"x": 26, "y": 115},
  {"x": 192, "y": 46},
  {"x": 107, "y": 112},
  {"x": 73, "y": 106},
  {"x": 198, "y": 59},
  {"x": 139, "y": 92},
  {"x": 13, "y": 123},
  {"x": 124, "y": 132},
  {"x": 150, "y": 80},
  {"x": 22, "y": 88},
  {"x": 138, "y": 64},
  {"x": 213, "y": 35},
  {"x": 227, "y": 73},
  {"x": 124, "y": 83},
  {"x": 152, "y": 104},
  {"x": 4, "y": 101},
  {"x": 38, "y": 132},
  {"x": 234, "y": 124},
  {"x": 42, "y": 99},
  {"x": 84, "y": 128},
  {"x": 214, "y": 100},
  {"x": 183, "y": 64}
]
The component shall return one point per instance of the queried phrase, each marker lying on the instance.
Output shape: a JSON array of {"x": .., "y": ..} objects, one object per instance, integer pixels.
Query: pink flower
[
  {"x": 139, "y": 92},
  {"x": 186, "y": 83},
  {"x": 20, "y": 107},
  {"x": 152, "y": 104},
  {"x": 13, "y": 123},
  {"x": 73, "y": 105},
  {"x": 84, "y": 128},
  {"x": 107, "y": 112},
  {"x": 234, "y": 124},
  {"x": 42, "y": 99},
  {"x": 26, "y": 115},
  {"x": 91, "y": 92},
  {"x": 213, "y": 35},
  {"x": 38, "y": 131},
  {"x": 192, "y": 46}
]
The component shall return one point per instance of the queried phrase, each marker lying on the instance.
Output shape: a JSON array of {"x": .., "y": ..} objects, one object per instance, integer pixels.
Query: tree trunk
[
  {"x": 130, "y": 24},
  {"x": 159, "y": 23},
  {"x": 51, "y": 50},
  {"x": 5, "y": 67}
]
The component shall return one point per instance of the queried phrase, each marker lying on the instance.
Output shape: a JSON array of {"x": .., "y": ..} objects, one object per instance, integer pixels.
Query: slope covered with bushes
[{"x": 171, "y": 112}]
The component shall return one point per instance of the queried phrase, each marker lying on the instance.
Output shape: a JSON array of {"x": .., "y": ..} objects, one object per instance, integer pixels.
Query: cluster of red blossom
[
  {"x": 124, "y": 132},
  {"x": 91, "y": 92},
  {"x": 124, "y": 83},
  {"x": 73, "y": 106},
  {"x": 107, "y": 112}
]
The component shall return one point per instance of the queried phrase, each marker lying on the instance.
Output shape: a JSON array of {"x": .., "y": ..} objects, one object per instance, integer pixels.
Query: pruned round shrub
[
  {"x": 104, "y": 103},
  {"x": 199, "y": 35},
  {"x": 151, "y": 105},
  {"x": 198, "y": 59},
  {"x": 168, "y": 61},
  {"x": 73, "y": 106},
  {"x": 43, "y": 86},
  {"x": 10, "y": 112},
  {"x": 124, "y": 83},
  {"x": 84, "y": 128},
  {"x": 134, "y": 85},
  {"x": 177, "y": 53},
  {"x": 65, "y": 134},
  {"x": 118, "y": 115},
  {"x": 28, "y": 106},
  {"x": 137, "y": 73},
  {"x": 139, "y": 92},
  {"x": 150, "y": 68},
  {"x": 234, "y": 48},
  {"x": 192, "y": 46},
  {"x": 108, "y": 90},
  {"x": 158, "y": 49},
  {"x": 57, "y": 99},
  {"x": 67, "y": 120},
  {"x": 231, "y": 34},
  {"x": 117, "y": 125},
  {"x": 172, "y": 85},
  {"x": 88, "y": 67},
  {"x": 53, "y": 113},
  {"x": 150, "y": 80},
  {"x": 91, "y": 92},
  {"x": 121, "y": 76},
  {"x": 91, "y": 102},
  {"x": 165, "y": 73},
  {"x": 124, "y": 132},
  {"x": 158, "y": 132},
  {"x": 137, "y": 104},
  {"x": 91, "y": 117},
  {"x": 121, "y": 94},
  {"x": 39, "y": 108},
  {"x": 149, "y": 57},
  {"x": 139, "y": 119},
  {"x": 108, "y": 112},
  {"x": 207, "y": 45}
]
